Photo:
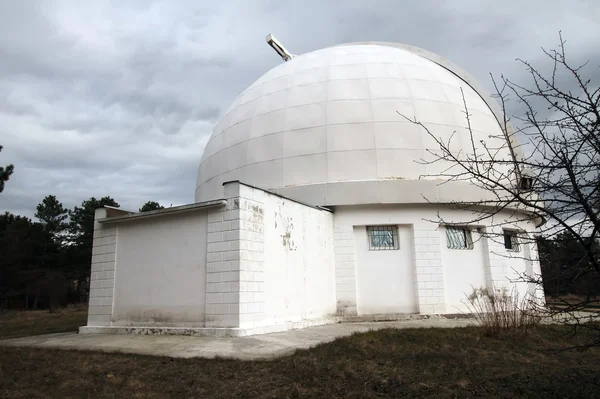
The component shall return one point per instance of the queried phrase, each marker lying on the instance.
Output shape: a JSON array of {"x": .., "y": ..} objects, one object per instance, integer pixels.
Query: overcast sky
[{"x": 119, "y": 97}]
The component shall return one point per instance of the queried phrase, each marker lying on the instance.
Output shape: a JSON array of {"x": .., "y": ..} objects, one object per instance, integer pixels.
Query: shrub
[{"x": 503, "y": 312}]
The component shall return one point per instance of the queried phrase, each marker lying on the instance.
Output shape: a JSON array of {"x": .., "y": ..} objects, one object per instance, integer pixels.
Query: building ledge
[{"x": 126, "y": 217}]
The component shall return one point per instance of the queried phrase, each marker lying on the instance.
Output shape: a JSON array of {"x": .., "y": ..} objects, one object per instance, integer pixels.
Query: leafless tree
[{"x": 552, "y": 178}]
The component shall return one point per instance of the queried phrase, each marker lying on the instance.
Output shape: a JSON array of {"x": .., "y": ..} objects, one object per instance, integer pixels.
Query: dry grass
[
  {"x": 35, "y": 322},
  {"x": 381, "y": 364}
]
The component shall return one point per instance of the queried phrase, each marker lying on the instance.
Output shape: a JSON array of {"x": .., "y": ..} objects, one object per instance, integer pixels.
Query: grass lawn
[
  {"x": 381, "y": 364},
  {"x": 35, "y": 322}
]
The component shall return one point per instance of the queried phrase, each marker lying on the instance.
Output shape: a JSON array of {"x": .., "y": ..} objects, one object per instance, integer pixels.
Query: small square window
[
  {"x": 458, "y": 238},
  {"x": 382, "y": 238},
  {"x": 511, "y": 241}
]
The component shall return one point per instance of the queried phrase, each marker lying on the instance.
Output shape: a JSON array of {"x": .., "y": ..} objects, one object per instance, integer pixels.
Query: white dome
[{"x": 324, "y": 127}]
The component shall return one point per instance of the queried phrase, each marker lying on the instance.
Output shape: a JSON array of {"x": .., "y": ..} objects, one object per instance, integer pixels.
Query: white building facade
[{"x": 314, "y": 203}]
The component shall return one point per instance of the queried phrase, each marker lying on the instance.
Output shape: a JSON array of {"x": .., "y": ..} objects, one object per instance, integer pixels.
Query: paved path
[{"x": 252, "y": 347}]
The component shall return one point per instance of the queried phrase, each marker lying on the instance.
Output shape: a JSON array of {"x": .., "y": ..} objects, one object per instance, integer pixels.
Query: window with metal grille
[
  {"x": 511, "y": 241},
  {"x": 458, "y": 238},
  {"x": 382, "y": 237}
]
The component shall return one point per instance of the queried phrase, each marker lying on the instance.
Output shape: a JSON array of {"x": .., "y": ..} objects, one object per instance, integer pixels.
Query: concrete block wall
[
  {"x": 429, "y": 275},
  {"x": 102, "y": 280},
  {"x": 345, "y": 269},
  {"x": 235, "y": 260}
]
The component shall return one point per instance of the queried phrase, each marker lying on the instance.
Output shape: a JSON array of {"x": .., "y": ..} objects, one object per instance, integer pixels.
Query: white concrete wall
[
  {"x": 464, "y": 270},
  {"x": 299, "y": 265},
  {"x": 442, "y": 277},
  {"x": 160, "y": 271},
  {"x": 385, "y": 279}
]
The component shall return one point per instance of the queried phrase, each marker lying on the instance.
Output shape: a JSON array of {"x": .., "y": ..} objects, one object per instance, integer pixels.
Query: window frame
[
  {"x": 383, "y": 228},
  {"x": 468, "y": 238},
  {"x": 514, "y": 240}
]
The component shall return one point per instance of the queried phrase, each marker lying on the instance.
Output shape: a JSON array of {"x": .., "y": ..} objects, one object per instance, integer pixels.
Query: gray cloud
[{"x": 119, "y": 98}]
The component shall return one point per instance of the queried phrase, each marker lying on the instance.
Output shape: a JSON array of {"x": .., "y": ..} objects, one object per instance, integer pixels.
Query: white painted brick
[
  {"x": 215, "y": 217},
  {"x": 224, "y": 226},
  {"x": 339, "y": 272},
  {"x": 95, "y": 284},
  {"x": 214, "y": 237},
  {"x": 103, "y": 258},
  {"x": 214, "y": 257},
  {"x": 231, "y": 235},
  {"x": 209, "y": 309},
  {"x": 210, "y": 267},
  {"x": 107, "y": 266},
  {"x": 432, "y": 300},
  {"x": 231, "y": 215},
  {"x": 210, "y": 287},
  {"x": 103, "y": 249},
  {"x": 231, "y": 255},
  {"x": 100, "y": 241},
  {"x": 214, "y": 297},
  {"x": 245, "y": 255},
  {"x": 438, "y": 293},
  {"x": 246, "y": 275},
  {"x": 236, "y": 224},
  {"x": 234, "y": 265},
  {"x": 231, "y": 297},
  {"x": 108, "y": 283},
  {"x": 230, "y": 320},
  {"x": 259, "y": 276},
  {"x": 230, "y": 276},
  {"x": 221, "y": 267},
  {"x": 343, "y": 250},
  {"x": 221, "y": 308},
  {"x": 346, "y": 287},
  {"x": 221, "y": 246},
  {"x": 237, "y": 245},
  {"x": 431, "y": 284},
  {"x": 213, "y": 277},
  {"x": 95, "y": 302},
  {"x": 246, "y": 297},
  {"x": 222, "y": 287}
]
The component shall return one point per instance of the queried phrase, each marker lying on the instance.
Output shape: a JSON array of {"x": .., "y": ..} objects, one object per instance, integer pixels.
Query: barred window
[
  {"x": 382, "y": 238},
  {"x": 458, "y": 238},
  {"x": 511, "y": 241}
]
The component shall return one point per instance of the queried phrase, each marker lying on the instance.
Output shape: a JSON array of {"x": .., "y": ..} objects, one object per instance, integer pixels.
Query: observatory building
[{"x": 315, "y": 202}]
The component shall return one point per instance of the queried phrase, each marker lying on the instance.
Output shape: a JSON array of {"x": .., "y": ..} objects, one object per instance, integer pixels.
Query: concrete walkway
[{"x": 252, "y": 347}]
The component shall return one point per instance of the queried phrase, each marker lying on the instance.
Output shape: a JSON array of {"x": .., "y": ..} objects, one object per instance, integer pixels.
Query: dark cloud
[{"x": 119, "y": 98}]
